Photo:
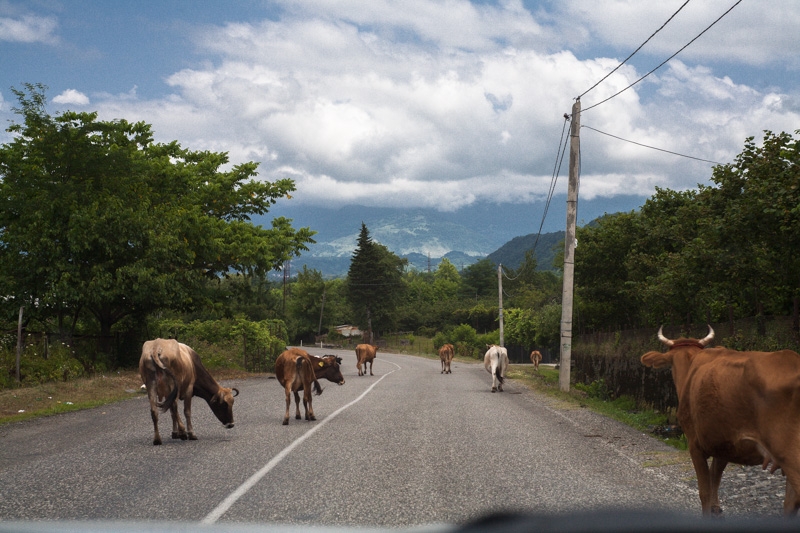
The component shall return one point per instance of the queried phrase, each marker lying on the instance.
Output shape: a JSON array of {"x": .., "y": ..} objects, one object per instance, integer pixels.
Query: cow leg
[
  {"x": 152, "y": 396},
  {"x": 297, "y": 404},
  {"x": 309, "y": 408},
  {"x": 791, "y": 501},
  {"x": 358, "y": 365},
  {"x": 187, "y": 413},
  {"x": 370, "y": 368},
  {"x": 717, "y": 467},
  {"x": 703, "y": 479},
  {"x": 288, "y": 404},
  {"x": 178, "y": 429}
]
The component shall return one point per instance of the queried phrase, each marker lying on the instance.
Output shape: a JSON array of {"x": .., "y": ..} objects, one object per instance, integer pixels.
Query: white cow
[{"x": 496, "y": 363}]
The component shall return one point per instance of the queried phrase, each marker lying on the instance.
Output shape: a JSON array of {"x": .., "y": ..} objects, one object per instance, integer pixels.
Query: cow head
[
  {"x": 328, "y": 368},
  {"x": 662, "y": 360},
  {"x": 222, "y": 405}
]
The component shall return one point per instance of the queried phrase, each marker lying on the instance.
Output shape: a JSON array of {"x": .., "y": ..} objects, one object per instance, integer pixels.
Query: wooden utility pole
[
  {"x": 500, "y": 292},
  {"x": 569, "y": 247},
  {"x": 321, "y": 310}
]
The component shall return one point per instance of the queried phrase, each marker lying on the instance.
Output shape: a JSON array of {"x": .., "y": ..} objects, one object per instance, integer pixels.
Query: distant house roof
[{"x": 348, "y": 331}]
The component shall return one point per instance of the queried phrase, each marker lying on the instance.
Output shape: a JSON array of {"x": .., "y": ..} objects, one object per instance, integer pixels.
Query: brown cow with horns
[
  {"x": 735, "y": 407},
  {"x": 173, "y": 371}
]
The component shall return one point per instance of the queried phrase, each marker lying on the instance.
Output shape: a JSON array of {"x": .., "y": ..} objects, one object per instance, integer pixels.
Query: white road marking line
[{"x": 228, "y": 502}]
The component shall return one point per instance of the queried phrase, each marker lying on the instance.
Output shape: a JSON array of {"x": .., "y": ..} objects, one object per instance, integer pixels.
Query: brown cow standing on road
[
  {"x": 536, "y": 358},
  {"x": 446, "y": 356},
  {"x": 365, "y": 353},
  {"x": 295, "y": 372},
  {"x": 735, "y": 407},
  {"x": 173, "y": 371},
  {"x": 327, "y": 366}
]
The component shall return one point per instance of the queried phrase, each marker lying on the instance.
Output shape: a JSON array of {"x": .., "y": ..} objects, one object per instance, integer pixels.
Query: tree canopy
[
  {"x": 374, "y": 283},
  {"x": 97, "y": 217}
]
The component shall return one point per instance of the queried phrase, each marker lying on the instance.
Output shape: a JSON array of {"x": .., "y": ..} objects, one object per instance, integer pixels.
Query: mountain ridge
[{"x": 425, "y": 236}]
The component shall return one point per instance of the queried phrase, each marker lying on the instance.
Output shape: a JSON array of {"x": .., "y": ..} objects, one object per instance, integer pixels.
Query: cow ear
[{"x": 657, "y": 359}]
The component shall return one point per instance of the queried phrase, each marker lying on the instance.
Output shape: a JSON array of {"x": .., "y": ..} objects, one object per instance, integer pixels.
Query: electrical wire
[
  {"x": 562, "y": 148},
  {"x": 651, "y": 147},
  {"x": 665, "y": 61},
  {"x": 634, "y": 52}
]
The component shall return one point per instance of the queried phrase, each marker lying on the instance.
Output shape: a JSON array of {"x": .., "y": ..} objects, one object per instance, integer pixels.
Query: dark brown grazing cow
[
  {"x": 365, "y": 353},
  {"x": 735, "y": 407},
  {"x": 296, "y": 370},
  {"x": 173, "y": 371},
  {"x": 327, "y": 366},
  {"x": 536, "y": 358},
  {"x": 446, "y": 356}
]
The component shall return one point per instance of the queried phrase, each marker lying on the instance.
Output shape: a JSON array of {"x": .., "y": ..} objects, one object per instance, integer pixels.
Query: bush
[
  {"x": 34, "y": 369},
  {"x": 236, "y": 343}
]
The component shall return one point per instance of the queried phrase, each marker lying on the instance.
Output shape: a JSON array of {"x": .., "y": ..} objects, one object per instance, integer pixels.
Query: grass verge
[
  {"x": 623, "y": 409},
  {"x": 26, "y": 403}
]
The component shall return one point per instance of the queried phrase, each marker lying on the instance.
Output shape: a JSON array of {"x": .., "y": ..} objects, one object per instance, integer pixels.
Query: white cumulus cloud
[
  {"x": 71, "y": 97},
  {"x": 28, "y": 29}
]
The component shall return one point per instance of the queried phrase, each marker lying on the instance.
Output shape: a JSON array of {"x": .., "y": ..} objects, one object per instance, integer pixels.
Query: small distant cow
[
  {"x": 536, "y": 358},
  {"x": 365, "y": 353},
  {"x": 496, "y": 363},
  {"x": 173, "y": 371},
  {"x": 446, "y": 356},
  {"x": 295, "y": 372}
]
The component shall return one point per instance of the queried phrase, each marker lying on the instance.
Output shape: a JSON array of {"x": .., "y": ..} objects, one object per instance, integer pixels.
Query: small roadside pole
[
  {"x": 19, "y": 340},
  {"x": 500, "y": 291},
  {"x": 569, "y": 248}
]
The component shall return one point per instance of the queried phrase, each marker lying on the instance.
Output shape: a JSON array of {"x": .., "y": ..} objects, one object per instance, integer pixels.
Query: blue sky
[{"x": 420, "y": 103}]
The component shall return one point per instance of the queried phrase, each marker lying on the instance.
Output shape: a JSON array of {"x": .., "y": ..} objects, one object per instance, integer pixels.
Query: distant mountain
[
  {"x": 512, "y": 253},
  {"x": 424, "y": 236}
]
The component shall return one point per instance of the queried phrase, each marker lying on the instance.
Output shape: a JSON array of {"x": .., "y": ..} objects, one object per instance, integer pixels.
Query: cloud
[
  {"x": 442, "y": 104},
  {"x": 749, "y": 34},
  {"x": 28, "y": 29},
  {"x": 72, "y": 97}
]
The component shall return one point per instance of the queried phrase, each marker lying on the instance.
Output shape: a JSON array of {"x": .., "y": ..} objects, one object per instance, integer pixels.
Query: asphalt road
[{"x": 405, "y": 447}]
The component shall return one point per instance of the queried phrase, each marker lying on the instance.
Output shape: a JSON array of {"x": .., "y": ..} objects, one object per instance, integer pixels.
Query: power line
[
  {"x": 634, "y": 52},
  {"x": 562, "y": 148},
  {"x": 651, "y": 147},
  {"x": 666, "y": 60}
]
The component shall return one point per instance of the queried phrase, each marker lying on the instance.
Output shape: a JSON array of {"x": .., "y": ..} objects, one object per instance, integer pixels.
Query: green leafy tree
[
  {"x": 374, "y": 283},
  {"x": 480, "y": 279},
  {"x": 97, "y": 217},
  {"x": 305, "y": 304},
  {"x": 446, "y": 281}
]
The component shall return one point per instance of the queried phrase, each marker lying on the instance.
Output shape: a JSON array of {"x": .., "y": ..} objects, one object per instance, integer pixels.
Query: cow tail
[
  {"x": 497, "y": 374},
  {"x": 164, "y": 370}
]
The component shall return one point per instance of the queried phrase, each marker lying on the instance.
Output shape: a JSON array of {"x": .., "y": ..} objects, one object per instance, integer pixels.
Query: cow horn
[
  {"x": 663, "y": 339},
  {"x": 234, "y": 389},
  {"x": 708, "y": 338}
]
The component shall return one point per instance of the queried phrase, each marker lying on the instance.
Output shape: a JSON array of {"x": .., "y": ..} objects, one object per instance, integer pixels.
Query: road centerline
[{"x": 245, "y": 487}]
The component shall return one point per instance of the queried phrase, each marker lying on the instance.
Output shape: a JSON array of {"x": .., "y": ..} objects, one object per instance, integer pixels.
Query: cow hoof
[
  {"x": 286, "y": 422},
  {"x": 156, "y": 442},
  {"x": 192, "y": 436},
  {"x": 716, "y": 510},
  {"x": 494, "y": 389},
  {"x": 296, "y": 417}
]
